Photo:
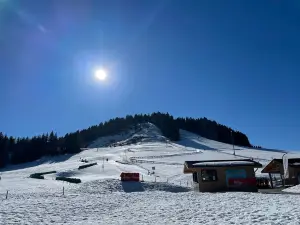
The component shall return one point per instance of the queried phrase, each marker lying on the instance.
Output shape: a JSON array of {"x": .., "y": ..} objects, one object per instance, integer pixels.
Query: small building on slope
[
  {"x": 223, "y": 175},
  {"x": 276, "y": 167}
]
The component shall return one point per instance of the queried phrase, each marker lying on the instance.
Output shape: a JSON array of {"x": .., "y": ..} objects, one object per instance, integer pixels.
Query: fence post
[
  {"x": 180, "y": 183},
  {"x": 187, "y": 183},
  {"x": 6, "y": 194},
  {"x": 155, "y": 179},
  {"x": 63, "y": 190}
]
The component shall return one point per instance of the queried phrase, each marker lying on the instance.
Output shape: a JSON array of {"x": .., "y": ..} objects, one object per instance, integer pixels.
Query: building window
[
  {"x": 195, "y": 177},
  {"x": 209, "y": 175}
]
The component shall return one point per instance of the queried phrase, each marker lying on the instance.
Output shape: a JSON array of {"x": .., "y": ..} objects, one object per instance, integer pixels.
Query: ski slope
[{"x": 164, "y": 198}]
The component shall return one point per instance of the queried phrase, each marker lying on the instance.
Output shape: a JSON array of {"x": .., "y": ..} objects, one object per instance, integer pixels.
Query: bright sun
[{"x": 100, "y": 74}]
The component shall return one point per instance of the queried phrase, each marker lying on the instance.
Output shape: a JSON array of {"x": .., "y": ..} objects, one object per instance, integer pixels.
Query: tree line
[{"x": 20, "y": 150}]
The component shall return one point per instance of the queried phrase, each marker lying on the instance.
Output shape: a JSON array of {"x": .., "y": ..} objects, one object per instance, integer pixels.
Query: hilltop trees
[
  {"x": 212, "y": 130},
  {"x": 23, "y": 150},
  {"x": 30, "y": 149},
  {"x": 4, "y": 145}
]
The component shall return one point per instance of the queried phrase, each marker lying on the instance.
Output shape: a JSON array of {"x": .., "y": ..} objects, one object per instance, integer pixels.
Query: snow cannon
[{"x": 130, "y": 176}]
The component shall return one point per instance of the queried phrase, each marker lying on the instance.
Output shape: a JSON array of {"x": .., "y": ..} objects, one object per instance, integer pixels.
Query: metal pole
[
  {"x": 283, "y": 179},
  {"x": 271, "y": 181}
]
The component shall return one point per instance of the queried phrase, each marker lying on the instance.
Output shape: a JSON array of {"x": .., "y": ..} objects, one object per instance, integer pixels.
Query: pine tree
[
  {"x": 4, "y": 141},
  {"x": 52, "y": 144}
]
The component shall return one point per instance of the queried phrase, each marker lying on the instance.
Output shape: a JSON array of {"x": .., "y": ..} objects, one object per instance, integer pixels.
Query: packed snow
[
  {"x": 149, "y": 207},
  {"x": 165, "y": 197},
  {"x": 294, "y": 189}
]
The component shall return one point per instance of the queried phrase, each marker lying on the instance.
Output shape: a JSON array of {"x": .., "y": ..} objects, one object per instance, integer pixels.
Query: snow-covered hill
[
  {"x": 102, "y": 199},
  {"x": 146, "y": 132}
]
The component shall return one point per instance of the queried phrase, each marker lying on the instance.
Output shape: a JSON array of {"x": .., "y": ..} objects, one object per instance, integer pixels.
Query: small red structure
[{"x": 130, "y": 177}]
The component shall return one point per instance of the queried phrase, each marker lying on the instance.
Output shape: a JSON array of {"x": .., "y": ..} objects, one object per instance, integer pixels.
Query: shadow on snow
[{"x": 44, "y": 160}]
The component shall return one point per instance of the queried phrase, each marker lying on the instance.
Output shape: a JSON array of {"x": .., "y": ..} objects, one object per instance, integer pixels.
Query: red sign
[
  {"x": 130, "y": 177},
  {"x": 241, "y": 181}
]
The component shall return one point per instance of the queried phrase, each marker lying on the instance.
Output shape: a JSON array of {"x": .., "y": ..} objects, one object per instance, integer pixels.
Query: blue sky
[{"x": 236, "y": 62}]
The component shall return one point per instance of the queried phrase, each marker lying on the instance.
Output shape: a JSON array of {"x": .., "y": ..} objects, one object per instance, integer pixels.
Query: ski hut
[
  {"x": 223, "y": 175},
  {"x": 276, "y": 167}
]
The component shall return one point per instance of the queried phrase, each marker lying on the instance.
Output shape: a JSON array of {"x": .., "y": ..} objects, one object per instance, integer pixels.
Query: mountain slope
[
  {"x": 21, "y": 150},
  {"x": 145, "y": 132},
  {"x": 149, "y": 149},
  {"x": 102, "y": 198}
]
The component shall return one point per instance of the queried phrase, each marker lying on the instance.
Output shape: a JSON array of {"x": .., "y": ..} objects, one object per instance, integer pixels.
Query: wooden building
[
  {"x": 276, "y": 167},
  {"x": 223, "y": 175}
]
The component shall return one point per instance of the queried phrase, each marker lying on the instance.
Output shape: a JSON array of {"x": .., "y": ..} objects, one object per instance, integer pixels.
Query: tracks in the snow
[
  {"x": 166, "y": 156},
  {"x": 141, "y": 159}
]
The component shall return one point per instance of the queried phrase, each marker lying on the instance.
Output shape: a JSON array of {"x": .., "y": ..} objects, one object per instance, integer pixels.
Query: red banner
[
  {"x": 241, "y": 181},
  {"x": 130, "y": 177}
]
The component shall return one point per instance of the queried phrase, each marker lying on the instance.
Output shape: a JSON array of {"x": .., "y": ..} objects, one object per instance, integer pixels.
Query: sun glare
[{"x": 101, "y": 74}]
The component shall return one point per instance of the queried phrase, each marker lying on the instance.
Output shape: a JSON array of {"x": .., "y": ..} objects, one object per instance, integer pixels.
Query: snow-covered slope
[
  {"x": 102, "y": 199},
  {"x": 145, "y": 132}
]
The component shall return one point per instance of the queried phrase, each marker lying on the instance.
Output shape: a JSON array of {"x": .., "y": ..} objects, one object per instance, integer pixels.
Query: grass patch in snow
[
  {"x": 36, "y": 176},
  {"x": 40, "y": 175},
  {"x": 86, "y": 166},
  {"x": 70, "y": 180}
]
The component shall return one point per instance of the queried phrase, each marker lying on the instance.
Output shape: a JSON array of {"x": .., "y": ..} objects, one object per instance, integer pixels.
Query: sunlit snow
[{"x": 166, "y": 197}]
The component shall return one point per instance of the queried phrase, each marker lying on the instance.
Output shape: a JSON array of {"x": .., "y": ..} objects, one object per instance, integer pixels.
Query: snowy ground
[
  {"x": 164, "y": 198},
  {"x": 149, "y": 207},
  {"x": 294, "y": 189}
]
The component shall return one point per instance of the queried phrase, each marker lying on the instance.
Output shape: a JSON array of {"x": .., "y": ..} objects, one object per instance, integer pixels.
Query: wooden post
[
  {"x": 63, "y": 190},
  {"x": 6, "y": 194},
  {"x": 271, "y": 181},
  {"x": 282, "y": 180}
]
